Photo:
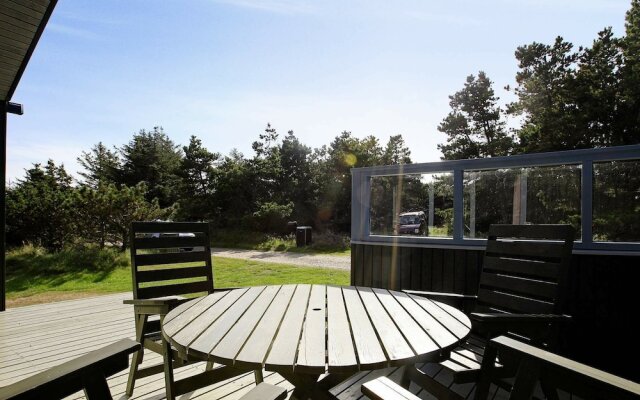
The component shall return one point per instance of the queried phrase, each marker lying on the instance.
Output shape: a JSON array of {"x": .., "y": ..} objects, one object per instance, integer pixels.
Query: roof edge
[{"x": 32, "y": 47}]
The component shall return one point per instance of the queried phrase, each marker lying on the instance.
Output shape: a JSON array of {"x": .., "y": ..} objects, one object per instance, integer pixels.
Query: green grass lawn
[
  {"x": 323, "y": 243},
  {"x": 43, "y": 276}
]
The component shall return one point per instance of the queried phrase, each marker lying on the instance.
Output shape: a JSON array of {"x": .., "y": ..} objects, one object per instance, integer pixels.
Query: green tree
[
  {"x": 104, "y": 214},
  {"x": 265, "y": 167},
  {"x": 298, "y": 184},
  {"x": 39, "y": 209},
  {"x": 101, "y": 166},
  {"x": 546, "y": 98},
  {"x": 198, "y": 181},
  {"x": 344, "y": 153},
  {"x": 272, "y": 217},
  {"x": 153, "y": 158},
  {"x": 474, "y": 128},
  {"x": 630, "y": 77},
  {"x": 597, "y": 91},
  {"x": 396, "y": 151},
  {"x": 234, "y": 196}
]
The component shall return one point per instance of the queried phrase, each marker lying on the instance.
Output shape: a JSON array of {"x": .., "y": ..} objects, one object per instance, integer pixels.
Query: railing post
[
  {"x": 365, "y": 198},
  {"x": 458, "y": 205},
  {"x": 360, "y": 202},
  {"x": 355, "y": 205},
  {"x": 3, "y": 196},
  {"x": 586, "y": 197}
]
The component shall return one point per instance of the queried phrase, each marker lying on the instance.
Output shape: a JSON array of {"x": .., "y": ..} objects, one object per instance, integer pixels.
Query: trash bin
[{"x": 303, "y": 236}]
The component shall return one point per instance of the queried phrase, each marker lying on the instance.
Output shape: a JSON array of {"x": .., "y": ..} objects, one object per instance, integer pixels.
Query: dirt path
[{"x": 308, "y": 260}]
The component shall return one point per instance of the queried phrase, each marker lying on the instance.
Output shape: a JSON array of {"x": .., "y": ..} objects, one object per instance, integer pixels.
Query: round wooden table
[{"x": 304, "y": 331}]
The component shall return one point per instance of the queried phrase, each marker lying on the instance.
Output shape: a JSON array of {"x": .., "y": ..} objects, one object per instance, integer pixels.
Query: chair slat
[
  {"x": 464, "y": 361},
  {"x": 541, "y": 232},
  {"x": 171, "y": 258},
  {"x": 525, "y": 287},
  {"x": 535, "y": 269},
  {"x": 174, "y": 290},
  {"x": 156, "y": 275},
  {"x": 172, "y": 227},
  {"x": 504, "y": 301},
  {"x": 170, "y": 242},
  {"x": 525, "y": 249}
]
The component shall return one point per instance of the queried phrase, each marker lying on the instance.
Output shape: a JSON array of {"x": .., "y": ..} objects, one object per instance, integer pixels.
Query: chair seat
[
  {"x": 466, "y": 359},
  {"x": 384, "y": 388}
]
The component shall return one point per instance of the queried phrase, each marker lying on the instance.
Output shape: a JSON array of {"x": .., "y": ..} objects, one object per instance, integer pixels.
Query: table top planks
[
  {"x": 285, "y": 345},
  {"x": 313, "y": 329},
  {"x": 341, "y": 354},
  {"x": 268, "y": 326},
  {"x": 311, "y": 349}
]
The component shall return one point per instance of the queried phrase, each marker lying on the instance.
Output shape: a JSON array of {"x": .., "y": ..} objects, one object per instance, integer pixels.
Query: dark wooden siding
[
  {"x": 416, "y": 268},
  {"x": 601, "y": 295}
]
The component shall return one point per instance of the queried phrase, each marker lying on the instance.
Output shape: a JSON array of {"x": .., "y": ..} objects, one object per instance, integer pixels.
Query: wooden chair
[
  {"x": 534, "y": 365},
  {"x": 524, "y": 270},
  {"x": 88, "y": 372},
  {"x": 170, "y": 261},
  {"x": 559, "y": 373}
]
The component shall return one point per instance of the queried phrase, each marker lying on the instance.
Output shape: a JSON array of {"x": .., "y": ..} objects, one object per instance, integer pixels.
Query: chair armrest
[
  {"x": 463, "y": 302},
  {"x": 384, "y": 388},
  {"x": 71, "y": 376},
  {"x": 159, "y": 305},
  {"x": 440, "y": 294},
  {"x": 159, "y": 301},
  {"x": 519, "y": 318},
  {"x": 494, "y": 324},
  {"x": 567, "y": 374}
]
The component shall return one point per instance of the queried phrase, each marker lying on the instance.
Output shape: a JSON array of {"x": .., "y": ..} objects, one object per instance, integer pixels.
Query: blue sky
[{"x": 223, "y": 69}]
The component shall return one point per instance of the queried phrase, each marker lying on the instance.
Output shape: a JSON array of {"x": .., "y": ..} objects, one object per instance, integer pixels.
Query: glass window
[
  {"x": 616, "y": 201},
  {"x": 536, "y": 195},
  {"x": 412, "y": 204}
]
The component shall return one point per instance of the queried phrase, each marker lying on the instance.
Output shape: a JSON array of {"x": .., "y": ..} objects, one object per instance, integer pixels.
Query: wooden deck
[{"x": 34, "y": 338}]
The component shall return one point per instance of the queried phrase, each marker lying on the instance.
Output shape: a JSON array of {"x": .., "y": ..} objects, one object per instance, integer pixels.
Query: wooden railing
[{"x": 603, "y": 277}]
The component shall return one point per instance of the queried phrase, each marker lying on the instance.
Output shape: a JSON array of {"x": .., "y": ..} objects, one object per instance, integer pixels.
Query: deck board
[{"x": 37, "y": 337}]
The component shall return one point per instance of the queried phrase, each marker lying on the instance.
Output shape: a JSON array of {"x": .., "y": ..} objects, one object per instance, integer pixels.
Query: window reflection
[
  {"x": 616, "y": 201},
  {"x": 534, "y": 195},
  {"x": 412, "y": 204}
]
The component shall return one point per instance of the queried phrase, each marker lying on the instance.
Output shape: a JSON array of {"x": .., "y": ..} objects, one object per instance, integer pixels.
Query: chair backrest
[
  {"x": 170, "y": 259},
  {"x": 525, "y": 268}
]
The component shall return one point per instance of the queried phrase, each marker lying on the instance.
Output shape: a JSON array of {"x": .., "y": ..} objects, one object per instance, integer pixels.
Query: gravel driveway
[{"x": 308, "y": 260}]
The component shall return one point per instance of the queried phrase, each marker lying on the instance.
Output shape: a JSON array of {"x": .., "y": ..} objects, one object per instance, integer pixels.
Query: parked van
[{"x": 412, "y": 223}]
